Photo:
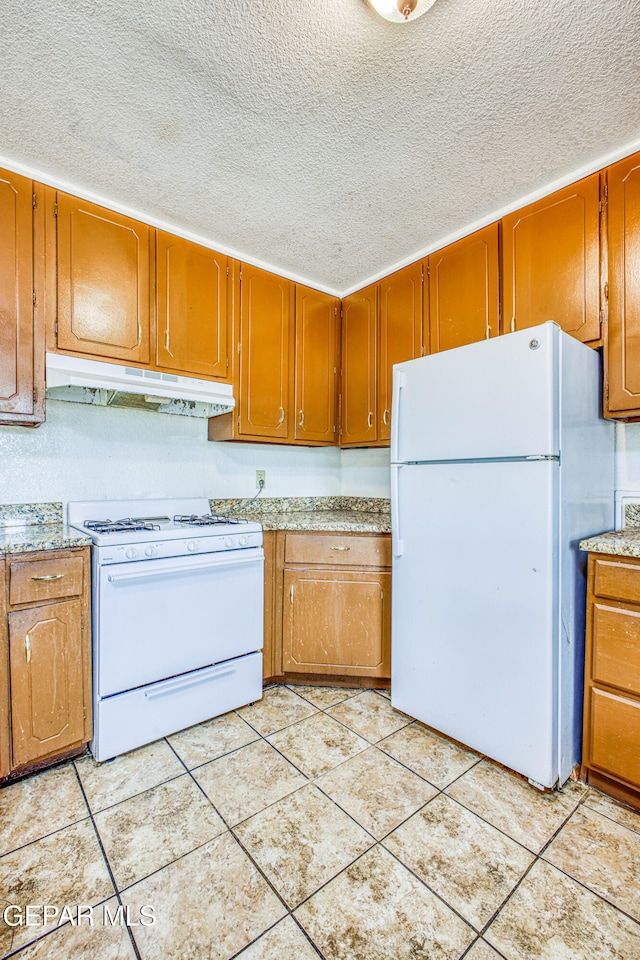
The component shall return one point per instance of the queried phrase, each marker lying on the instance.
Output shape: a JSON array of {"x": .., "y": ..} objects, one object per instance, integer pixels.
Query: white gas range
[{"x": 177, "y": 616}]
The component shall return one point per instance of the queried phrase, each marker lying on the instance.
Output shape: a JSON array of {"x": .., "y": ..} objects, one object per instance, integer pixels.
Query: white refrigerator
[{"x": 500, "y": 464}]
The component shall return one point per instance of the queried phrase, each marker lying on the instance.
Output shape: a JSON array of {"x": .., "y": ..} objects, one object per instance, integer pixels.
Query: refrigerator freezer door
[
  {"x": 497, "y": 398},
  {"x": 474, "y": 612}
]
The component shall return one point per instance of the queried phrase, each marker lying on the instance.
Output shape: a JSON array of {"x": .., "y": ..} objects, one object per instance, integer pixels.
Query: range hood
[{"x": 113, "y": 385}]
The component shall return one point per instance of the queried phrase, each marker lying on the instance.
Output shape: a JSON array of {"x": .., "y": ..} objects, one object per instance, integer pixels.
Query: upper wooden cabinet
[
  {"x": 623, "y": 336},
  {"x": 21, "y": 315},
  {"x": 315, "y": 365},
  {"x": 191, "y": 304},
  {"x": 266, "y": 329},
  {"x": 464, "y": 301},
  {"x": 104, "y": 277},
  {"x": 359, "y": 362},
  {"x": 551, "y": 262},
  {"x": 399, "y": 333}
]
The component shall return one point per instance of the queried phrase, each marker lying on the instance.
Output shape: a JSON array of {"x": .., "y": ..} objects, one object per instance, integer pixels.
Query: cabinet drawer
[
  {"x": 31, "y": 581},
  {"x": 616, "y": 580},
  {"x": 338, "y": 550},
  {"x": 616, "y": 647},
  {"x": 615, "y": 736}
]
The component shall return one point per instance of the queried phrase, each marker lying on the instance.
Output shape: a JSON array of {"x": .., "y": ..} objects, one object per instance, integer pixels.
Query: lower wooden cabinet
[
  {"x": 46, "y": 657},
  {"x": 611, "y": 748},
  {"x": 331, "y": 606}
]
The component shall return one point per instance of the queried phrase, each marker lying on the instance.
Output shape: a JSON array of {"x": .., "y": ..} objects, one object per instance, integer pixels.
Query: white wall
[
  {"x": 628, "y": 458},
  {"x": 84, "y": 452},
  {"x": 365, "y": 473}
]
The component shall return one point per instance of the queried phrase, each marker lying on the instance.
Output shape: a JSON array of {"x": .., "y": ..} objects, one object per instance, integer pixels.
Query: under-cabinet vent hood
[{"x": 113, "y": 385}]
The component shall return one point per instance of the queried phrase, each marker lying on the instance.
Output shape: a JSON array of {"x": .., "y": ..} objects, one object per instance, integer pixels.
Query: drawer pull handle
[
  {"x": 302, "y": 418},
  {"x": 50, "y": 576},
  {"x": 370, "y": 419},
  {"x": 385, "y": 418},
  {"x": 341, "y": 548},
  {"x": 281, "y": 420},
  {"x": 27, "y": 647}
]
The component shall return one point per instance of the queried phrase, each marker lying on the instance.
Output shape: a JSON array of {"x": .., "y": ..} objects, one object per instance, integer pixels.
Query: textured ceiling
[{"x": 309, "y": 134}]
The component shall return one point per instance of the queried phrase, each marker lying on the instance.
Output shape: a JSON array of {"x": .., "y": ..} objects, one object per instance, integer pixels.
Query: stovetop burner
[
  {"x": 206, "y": 520},
  {"x": 118, "y": 526}
]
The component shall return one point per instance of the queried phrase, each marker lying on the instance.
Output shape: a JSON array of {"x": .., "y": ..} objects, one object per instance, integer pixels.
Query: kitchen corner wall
[
  {"x": 628, "y": 458},
  {"x": 84, "y": 452}
]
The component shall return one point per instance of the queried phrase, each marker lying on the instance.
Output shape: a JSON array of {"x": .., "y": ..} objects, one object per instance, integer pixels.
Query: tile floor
[{"x": 316, "y": 822}]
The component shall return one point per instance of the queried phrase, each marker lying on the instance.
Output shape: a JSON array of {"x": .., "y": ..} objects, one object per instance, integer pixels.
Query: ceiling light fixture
[{"x": 400, "y": 11}]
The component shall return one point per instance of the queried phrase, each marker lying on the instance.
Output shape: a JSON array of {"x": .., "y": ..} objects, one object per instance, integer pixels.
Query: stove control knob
[
  {"x": 191, "y": 547},
  {"x": 242, "y": 541},
  {"x": 228, "y": 542},
  {"x": 131, "y": 554},
  {"x": 151, "y": 551}
]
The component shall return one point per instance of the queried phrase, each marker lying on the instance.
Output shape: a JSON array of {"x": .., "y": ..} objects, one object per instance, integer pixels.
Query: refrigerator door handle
[
  {"x": 398, "y": 378},
  {"x": 396, "y": 540}
]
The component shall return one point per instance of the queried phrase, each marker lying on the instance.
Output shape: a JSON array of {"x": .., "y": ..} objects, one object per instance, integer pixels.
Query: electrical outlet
[{"x": 261, "y": 478}]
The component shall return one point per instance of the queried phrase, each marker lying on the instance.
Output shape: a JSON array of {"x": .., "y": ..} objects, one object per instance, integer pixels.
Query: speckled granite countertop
[
  {"x": 27, "y": 527},
  {"x": 620, "y": 543},
  {"x": 334, "y": 514}
]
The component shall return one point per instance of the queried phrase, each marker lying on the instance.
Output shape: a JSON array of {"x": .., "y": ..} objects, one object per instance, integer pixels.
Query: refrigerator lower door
[{"x": 475, "y": 607}]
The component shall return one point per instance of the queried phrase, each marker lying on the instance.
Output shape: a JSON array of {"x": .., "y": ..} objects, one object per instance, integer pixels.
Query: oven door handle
[
  {"x": 143, "y": 574},
  {"x": 166, "y": 688}
]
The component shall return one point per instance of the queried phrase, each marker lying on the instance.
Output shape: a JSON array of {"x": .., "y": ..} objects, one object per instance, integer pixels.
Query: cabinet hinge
[
  {"x": 84, "y": 712},
  {"x": 227, "y": 269},
  {"x": 428, "y": 271},
  {"x": 382, "y": 594},
  {"x": 238, "y": 421},
  {"x": 227, "y": 363},
  {"x": 606, "y": 193},
  {"x": 239, "y": 345},
  {"x": 606, "y": 291},
  {"x": 33, "y": 298},
  {"x": 35, "y": 394},
  {"x": 606, "y": 390},
  {"x": 55, "y": 329},
  {"x": 240, "y": 275},
  {"x": 34, "y": 200},
  {"x": 55, "y": 209}
]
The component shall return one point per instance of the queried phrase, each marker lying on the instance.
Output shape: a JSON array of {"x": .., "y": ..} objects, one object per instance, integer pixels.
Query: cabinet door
[
  {"x": 337, "y": 621},
  {"x": 464, "y": 291},
  {"x": 359, "y": 422},
  {"x": 266, "y": 328},
  {"x": 191, "y": 308},
  {"x": 315, "y": 365},
  {"x": 104, "y": 280},
  {"x": 46, "y": 669},
  {"x": 551, "y": 262},
  {"x": 400, "y": 333},
  {"x": 623, "y": 341},
  {"x": 21, "y": 341}
]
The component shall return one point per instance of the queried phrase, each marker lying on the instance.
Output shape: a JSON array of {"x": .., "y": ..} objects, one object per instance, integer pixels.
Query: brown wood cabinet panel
[
  {"x": 191, "y": 299},
  {"x": 337, "y": 622},
  {"x": 400, "y": 333},
  {"x": 104, "y": 282},
  {"x": 338, "y": 549},
  {"x": 616, "y": 647},
  {"x": 5, "y": 691},
  {"x": 551, "y": 262},
  {"x": 21, "y": 327},
  {"x": 47, "y": 691},
  {"x": 623, "y": 334},
  {"x": 316, "y": 365},
  {"x": 266, "y": 332},
  {"x": 268, "y": 651},
  {"x": 464, "y": 304},
  {"x": 615, "y": 735},
  {"x": 359, "y": 361},
  {"x": 32, "y": 581},
  {"x": 617, "y": 579}
]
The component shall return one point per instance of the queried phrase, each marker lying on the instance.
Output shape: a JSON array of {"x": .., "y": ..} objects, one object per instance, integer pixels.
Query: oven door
[{"x": 155, "y": 619}]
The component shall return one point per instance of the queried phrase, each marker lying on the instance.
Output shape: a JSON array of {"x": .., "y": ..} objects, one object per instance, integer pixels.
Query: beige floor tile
[
  {"x": 512, "y": 805},
  {"x": 551, "y": 917},
  {"x": 100, "y": 941},
  {"x": 242, "y": 783},
  {"x": 377, "y": 910},
  {"x": 108, "y": 783},
  {"x": 317, "y": 744},
  {"x": 64, "y": 869},
  {"x": 39, "y": 805},
  {"x": 482, "y": 951},
  {"x": 211, "y": 903},
  {"x": 211, "y": 740},
  {"x": 278, "y": 708},
  {"x": 435, "y": 758},
  {"x": 468, "y": 863},
  {"x": 603, "y": 855},
  {"x": 370, "y": 716},
  {"x": 376, "y": 791},
  {"x": 614, "y": 810},
  {"x": 285, "y": 941},
  {"x": 301, "y": 842},
  {"x": 323, "y": 697},
  {"x": 150, "y": 830}
]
